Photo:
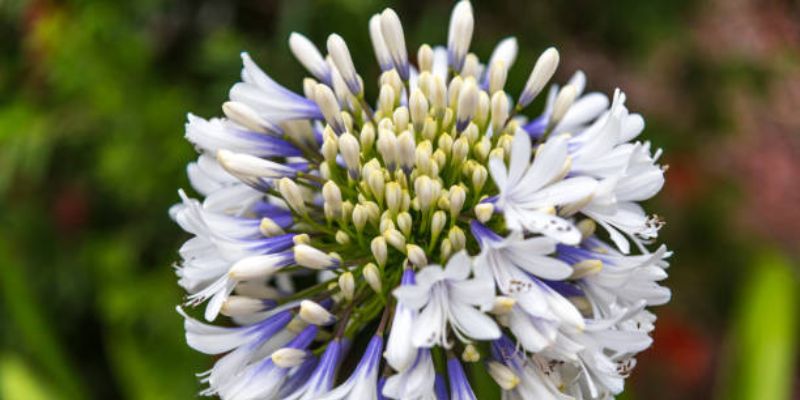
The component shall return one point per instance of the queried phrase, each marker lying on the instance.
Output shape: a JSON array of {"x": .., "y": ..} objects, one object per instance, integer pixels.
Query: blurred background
[{"x": 93, "y": 98}]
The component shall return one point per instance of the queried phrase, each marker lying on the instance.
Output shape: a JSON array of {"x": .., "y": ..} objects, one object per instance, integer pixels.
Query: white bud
[
  {"x": 460, "y": 149},
  {"x": 367, "y": 137},
  {"x": 457, "y": 197},
  {"x": 315, "y": 314},
  {"x": 446, "y": 248},
  {"x": 309, "y": 257},
  {"x": 472, "y": 67},
  {"x": 404, "y": 223},
  {"x": 337, "y": 48},
  {"x": 378, "y": 44},
  {"x": 438, "y": 94},
  {"x": 330, "y": 148},
  {"x": 482, "y": 149},
  {"x": 394, "y": 196},
  {"x": 291, "y": 195},
  {"x": 542, "y": 72},
  {"x": 379, "y": 249},
  {"x": 375, "y": 181},
  {"x": 309, "y": 87},
  {"x": 386, "y": 99},
  {"x": 239, "y": 306},
  {"x": 386, "y": 222},
  {"x": 457, "y": 238},
  {"x": 302, "y": 238},
  {"x": 351, "y": 153},
  {"x": 416, "y": 255},
  {"x": 498, "y": 73},
  {"x": 500, "y": 110},
  {"x": 438, "y": 221},
  {"x": 459, "y": 34},
  {"x": 269, "y": 228},
  {"x": 373, "y": 277},
  {"x": 245, "y": 116},
  {"x": 482, "y": 113},
  {"x": 453, "y": 91},
  {"x": 309, "y": 56},
  {"x": 360, "y": 217},
  {"x": 467, "y": 104},
  {"x": 484, "y": 211},
  {"x": 342, "y": 237},
  {"x": 406, "y": 147},
  {"x": 254, "y": 267},
  {"x": 387, "y": 147},
  {"x": 425, "y": 58},
  {"x": 247, "y": 166},
  {"x": 400, "y": 117},
  {"x": 418, "y": 106},
  {"x": 425, "y": 191},
  {"x": 288, "y": 357},
  {"x": 333, "y": 200},
  {"x": 392, "y": 31},
  {"x": 479, "y": 176},
  {"x": 329, "y": 105},
  {"x": 395, "y": 238},
  {"x": 505, "y": 51},
  {"x": 347, "y": 284},
  {"x": 564, "y": 100}
]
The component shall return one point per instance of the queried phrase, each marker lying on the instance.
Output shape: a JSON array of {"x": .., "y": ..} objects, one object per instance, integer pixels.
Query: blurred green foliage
[{"x": 93, "y": 96}]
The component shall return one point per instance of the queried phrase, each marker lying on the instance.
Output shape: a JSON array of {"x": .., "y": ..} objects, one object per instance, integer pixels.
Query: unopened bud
[
  {"x": 404, "y": 223},
  {"x": 484, "y": 211},
  {"x": 457, "y": 238},
  {"x": 291, "y": 194},
  {"x": 329, "y": 106},
  {"x": 395, "y": 238},
  {"x": 373, "y": 277},
  {"x": 347, "y": 284},
  {"x": 309, "y": 257},
  {"x": 379, "y": 250},
  {"x": 269, "y": 228},
  {"x": 288, "y": 357},
  {"x": 416, "y": 255},
  {"x": 315, "y": 314}
]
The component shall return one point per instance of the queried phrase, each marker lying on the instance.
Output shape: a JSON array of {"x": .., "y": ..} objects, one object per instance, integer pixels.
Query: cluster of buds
[{"x": 437, "y": 228}]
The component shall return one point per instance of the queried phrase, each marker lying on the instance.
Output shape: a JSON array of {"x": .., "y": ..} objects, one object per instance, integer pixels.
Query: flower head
[{"x": 384, "y": 248}]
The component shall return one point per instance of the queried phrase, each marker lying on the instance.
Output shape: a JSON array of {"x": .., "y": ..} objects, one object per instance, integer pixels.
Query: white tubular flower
[
  {"x": 542, "y": 72},
  {"x": 310, "y": 57},
  {"x": 378, "y": 44},
  {"x": 446, "y": 295},
  {"x": 310, "y": 257},
  {"x": 326, "y": 218},
  {"x": 337, "y": 48},
  {"x": 460, "y": 34},
  {"x": 393, "y": 36}
]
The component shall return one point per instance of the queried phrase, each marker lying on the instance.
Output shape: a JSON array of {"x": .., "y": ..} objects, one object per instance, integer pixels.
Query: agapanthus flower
[{"x": 355, "y": 248}]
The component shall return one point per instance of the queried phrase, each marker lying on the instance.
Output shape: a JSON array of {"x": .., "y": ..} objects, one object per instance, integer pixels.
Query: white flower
[
  {"x": 317, "y": 212},
  {"x": 511, "y": 259},
  {"x": 273, "y": 102},
  {"x": 530, "y": 191},
  {"x": 400, "y": 352},
  {"x": 446, "y": 295}
]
